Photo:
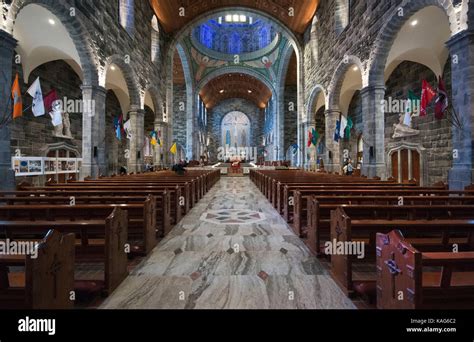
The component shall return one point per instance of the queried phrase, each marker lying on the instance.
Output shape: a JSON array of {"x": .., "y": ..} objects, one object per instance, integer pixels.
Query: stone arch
[
  {"x": 75, "y": 26},
  {"x": 231, "y": 70},
  {"x": 130, "y": 78},
  {"x": 155, "y": 98},
  {"x": 313, "y": 97},
  {"x": 335, "y": 86},
  {"x": 393, "y": 25}
]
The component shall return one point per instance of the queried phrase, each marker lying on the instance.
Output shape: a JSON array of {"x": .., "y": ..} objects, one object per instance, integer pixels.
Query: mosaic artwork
[{"x": 233, "y": 216}]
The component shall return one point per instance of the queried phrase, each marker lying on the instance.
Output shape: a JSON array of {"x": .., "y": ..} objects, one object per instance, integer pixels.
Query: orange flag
[{"x": 17, "y": 101}]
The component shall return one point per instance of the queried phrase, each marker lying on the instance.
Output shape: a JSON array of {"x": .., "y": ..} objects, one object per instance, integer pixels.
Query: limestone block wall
[{"x": 435, "y": 135}]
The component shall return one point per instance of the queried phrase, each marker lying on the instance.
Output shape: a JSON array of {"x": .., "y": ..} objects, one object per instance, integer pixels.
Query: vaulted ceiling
[
  {"x": 235, "y": 86},
  {"x": 168, "y": 11}
]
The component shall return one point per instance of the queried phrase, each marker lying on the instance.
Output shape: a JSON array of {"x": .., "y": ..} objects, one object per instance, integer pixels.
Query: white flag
[
  {"x": 128, "y": 129},
  {"x": 343, "y": 127},
  {"x": 38, "y": 105}
]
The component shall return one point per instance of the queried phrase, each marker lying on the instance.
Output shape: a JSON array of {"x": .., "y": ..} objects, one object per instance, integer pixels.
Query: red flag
[
  {"x": 48, "y": 100},
  {"x": 442, "y": 101},
  {"x": 16, "y": 96},
  {"x": 427, "y": 95},
  {"x": 310, "y": 139}
]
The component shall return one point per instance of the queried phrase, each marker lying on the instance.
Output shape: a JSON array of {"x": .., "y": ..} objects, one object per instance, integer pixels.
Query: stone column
[
  {"x": 137, "y": 121},
  {"x": 374, "y": 131},
  {"x": 7, "y": 49},
  {"x": 461, "y": 47},
  {"x": 93, "y": 132},
  {"x": 332, "y": 163},
  {"x": 160, "y": 152}
]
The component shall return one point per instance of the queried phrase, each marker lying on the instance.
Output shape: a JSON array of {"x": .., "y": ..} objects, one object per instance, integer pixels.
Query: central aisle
[{"x": 232, "y": 251}]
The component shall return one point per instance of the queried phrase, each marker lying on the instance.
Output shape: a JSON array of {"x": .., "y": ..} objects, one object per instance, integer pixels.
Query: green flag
[
  {"x": 350, "y": 125},
  {"x": 412, "y": 108},
  {"x": 314, "y": 139}
]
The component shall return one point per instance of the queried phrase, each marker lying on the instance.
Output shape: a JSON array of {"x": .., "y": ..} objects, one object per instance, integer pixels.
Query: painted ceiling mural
[{"x": 264, "y": 62}]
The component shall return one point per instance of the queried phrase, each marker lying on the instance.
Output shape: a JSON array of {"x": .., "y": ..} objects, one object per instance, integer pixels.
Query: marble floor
[{"x": 232, "y": 251}]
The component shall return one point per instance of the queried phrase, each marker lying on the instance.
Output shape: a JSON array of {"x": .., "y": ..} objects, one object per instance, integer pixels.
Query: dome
[{"x": 234, "y": 34}]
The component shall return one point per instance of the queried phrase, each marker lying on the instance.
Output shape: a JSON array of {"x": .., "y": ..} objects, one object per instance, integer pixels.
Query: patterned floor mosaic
[{"x": 232, "y": 251}]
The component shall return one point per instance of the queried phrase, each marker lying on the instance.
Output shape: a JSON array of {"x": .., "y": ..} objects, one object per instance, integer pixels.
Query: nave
[{"x": 252, "y": 260}]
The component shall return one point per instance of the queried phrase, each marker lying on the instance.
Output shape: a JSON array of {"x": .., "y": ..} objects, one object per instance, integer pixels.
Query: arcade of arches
[{"x": 238, "y": 74}]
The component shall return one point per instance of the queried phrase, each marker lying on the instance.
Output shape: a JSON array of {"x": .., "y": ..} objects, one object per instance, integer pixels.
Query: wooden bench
[
  {"x": 45, "y": 282},
  {"x": 142, "y": 232},
  {"x": 410, "y": 279},
  {"x": 110, "y": 253},
  {"x": 175, "y": 207},
  {"x": 318, "y": 222},
  {"x": 162, "y": 207},
  {"x": 345, "y": 231}
]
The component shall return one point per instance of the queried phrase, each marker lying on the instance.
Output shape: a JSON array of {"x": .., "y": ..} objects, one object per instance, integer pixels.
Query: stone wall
[
  {"x": 115, "y": 148},
  {"x": 435, "y": 135},
  {"x": 32, "y": 135},
  {"x": 179, "y": 119},
  {"x": 291, "y": 116}
]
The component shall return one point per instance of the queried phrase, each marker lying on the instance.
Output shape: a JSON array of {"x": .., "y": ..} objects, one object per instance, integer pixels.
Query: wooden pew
[
  {"x": 113, "y": 230},
  {"x": 319, "y": 213},
  {"x": 175, "y": 208},
  {"x": 345, "y": 231},
  {"x": 162, "y": 222},
  {"x": 47, "y": 280},
  {"x": 410, "y": 279},
  {"x": 142, "y": 235},
  {"x": 301, "y": 198}
]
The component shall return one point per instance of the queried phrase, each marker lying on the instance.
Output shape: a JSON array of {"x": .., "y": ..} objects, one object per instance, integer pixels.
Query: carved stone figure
[{"x": 401, "y": 130}]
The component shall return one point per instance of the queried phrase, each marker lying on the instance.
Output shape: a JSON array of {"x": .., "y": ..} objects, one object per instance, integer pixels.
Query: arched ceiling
[
  {"x": 168, "y": 11},
  {"x": 235, "y": 86}
]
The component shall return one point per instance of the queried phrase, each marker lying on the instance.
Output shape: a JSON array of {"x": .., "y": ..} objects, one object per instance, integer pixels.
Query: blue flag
[
  {"x": 337, "y": 134},
  {"x": 118, "y": 128},
  {"x": 227, "y": 138},
  {"x": 295, "y": 148}
]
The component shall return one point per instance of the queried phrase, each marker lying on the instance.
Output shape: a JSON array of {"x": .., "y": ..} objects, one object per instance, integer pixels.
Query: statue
[
  {"x": 403, "y": 128},
  {"x": 60, "y": 121}
]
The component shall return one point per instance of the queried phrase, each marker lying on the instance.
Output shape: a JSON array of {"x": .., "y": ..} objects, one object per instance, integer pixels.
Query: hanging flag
[
  {"x": 49, "y": 99},
  {"x": 295, "y": 148},
  {"x": 350, "y": 125},
  {"x": 174, "y": 149},
  {"x": 16, "y": 97},
  {"x": 315, "y": 137},
  {"x": 310, "y": 139},
  {"x": 118, "y": 127},
  {"x": 342, "y": 128},
  {"x": 128, "y": 129},
  {"x": 442, "y": 101},
  {"x": 427, "y": 96},
  {"x": 154, "y": 138},
  {"x": 337, "y": 135},
  {"x": 38, "y": 105},
  {"x": 228, "y": 138}
]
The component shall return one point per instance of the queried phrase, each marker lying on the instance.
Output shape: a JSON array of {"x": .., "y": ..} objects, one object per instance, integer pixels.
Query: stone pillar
[
  {"x": 461, "y": 46},
  {"x": 137, "y": 121},
  {"x": 7, "y": 49},
  {"x": 93, "y": 132},
  {"x": 332, "y": 163},
  {"x": 374, "y": 131},
  {"x": 160, "y": 151}
]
